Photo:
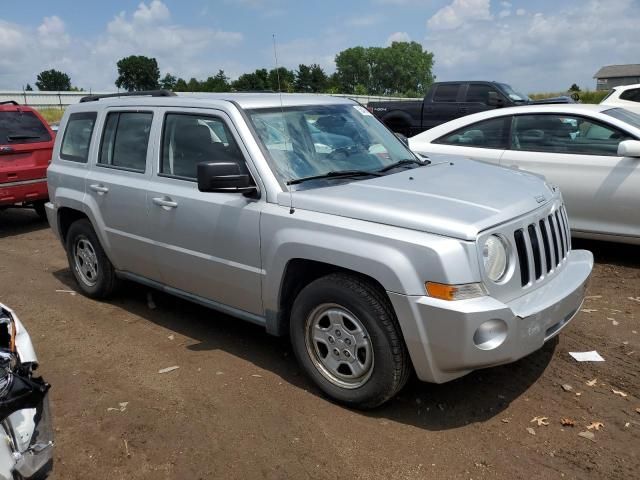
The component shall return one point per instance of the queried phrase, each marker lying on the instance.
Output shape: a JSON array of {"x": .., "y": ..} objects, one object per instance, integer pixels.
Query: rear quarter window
[
  {"x": 77, "y": 137},
  {"x": 22, "y": 127}
]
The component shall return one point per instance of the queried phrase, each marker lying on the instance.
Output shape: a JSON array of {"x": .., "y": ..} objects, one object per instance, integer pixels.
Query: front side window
[
  {"x": 191, "y": 139},
  {"x": 125, "y": 140},
  {"x": 446, "y": 93},
  {"x": 314, "y": 140},
  {"x": 77, "y": 137},
  {"x": 486, "y": 134},
  {"x": 564, "y": 134},
  {"x": 479, "y": 93},
  {"x": 22, "y": 127},
  {"x": 633, "y": 95}
]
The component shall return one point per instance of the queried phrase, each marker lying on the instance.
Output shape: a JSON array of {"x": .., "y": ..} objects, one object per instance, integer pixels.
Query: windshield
[
  {"x": 22, "y": 127},
  {"x": 513, "y": 95},
  {"x": 625, "y": 115},
  {"x": 315, "y": 140}
]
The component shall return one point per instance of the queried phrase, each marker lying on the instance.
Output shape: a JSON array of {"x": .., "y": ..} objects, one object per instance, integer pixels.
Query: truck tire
[
  {"x": 398, "y": 125},
  {"x": 346, "y": 337},
  {"x": 91, "y": 268}
]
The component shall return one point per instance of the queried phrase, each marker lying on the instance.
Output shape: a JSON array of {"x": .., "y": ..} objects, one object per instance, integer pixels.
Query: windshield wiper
[
  {"x": 336, "y": 174},
  {"x": 406, "y": 161},
  {"x": 21, "y": 137}
]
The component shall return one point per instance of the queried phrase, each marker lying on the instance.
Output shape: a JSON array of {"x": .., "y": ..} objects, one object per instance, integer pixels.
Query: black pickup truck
[{"x": 448, "y": 100}]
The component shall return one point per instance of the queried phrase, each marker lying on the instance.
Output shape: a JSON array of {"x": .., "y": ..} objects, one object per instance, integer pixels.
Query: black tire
[
  {"x": 105, "y": 280},
  {"x": 40, "y": 209},
  {"x": 391, "y": 365}
]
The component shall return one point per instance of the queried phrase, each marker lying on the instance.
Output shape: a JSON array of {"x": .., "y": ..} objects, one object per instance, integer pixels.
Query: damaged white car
[{"x": 26, "y": 433}]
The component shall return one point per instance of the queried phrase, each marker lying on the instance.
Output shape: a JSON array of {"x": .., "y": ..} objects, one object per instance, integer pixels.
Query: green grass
[
  {"x": 51, "y": 115},
  {"x": 586, "y": 96}
]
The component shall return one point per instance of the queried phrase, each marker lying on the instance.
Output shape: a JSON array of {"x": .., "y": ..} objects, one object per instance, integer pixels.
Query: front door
[
  {"x": 206, "y": 243},
  {"x": 579, "y": 155}
]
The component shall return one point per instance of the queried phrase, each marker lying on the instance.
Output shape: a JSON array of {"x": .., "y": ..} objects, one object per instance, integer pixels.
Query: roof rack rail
[
  {"x": 9, "y": 102},
  {"x": 142, "y": 93}
]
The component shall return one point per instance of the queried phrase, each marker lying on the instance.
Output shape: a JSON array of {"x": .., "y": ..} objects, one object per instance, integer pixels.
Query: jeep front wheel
[
  {"x": 347, "y": 339},
  {"x": 91, "y": 268}
]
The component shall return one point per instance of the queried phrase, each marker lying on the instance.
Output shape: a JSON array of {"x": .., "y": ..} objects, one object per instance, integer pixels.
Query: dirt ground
[{"x": 239, "y": 406}]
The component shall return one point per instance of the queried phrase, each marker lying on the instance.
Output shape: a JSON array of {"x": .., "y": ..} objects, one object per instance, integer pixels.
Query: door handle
[
  {"x": 101, "y": 189},
  {"x": 165, "y": 202}
]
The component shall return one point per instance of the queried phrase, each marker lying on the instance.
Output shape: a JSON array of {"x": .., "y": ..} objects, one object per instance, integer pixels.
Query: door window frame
[
  {"x": 103, "y": 128},
  {"x": 593, "y": 120}
]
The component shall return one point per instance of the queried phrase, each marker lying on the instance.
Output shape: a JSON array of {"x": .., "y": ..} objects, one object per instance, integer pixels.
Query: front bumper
[{"x": 449, "y": 339}]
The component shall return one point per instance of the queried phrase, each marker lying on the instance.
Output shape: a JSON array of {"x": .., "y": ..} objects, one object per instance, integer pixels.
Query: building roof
[{"x": 613, "y": 71}]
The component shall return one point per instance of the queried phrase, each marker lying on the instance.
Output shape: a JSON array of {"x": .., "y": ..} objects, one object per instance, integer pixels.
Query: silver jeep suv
[{"x": 304, "y": 214}]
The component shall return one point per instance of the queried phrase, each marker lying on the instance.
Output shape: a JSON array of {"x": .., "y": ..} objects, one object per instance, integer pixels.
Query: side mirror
[
  {"x": 223, "y": 177},
  {"x": 629, "y": 148},
  {"x": 494, "y": 100},
  {"x": 402, "y": 138}
]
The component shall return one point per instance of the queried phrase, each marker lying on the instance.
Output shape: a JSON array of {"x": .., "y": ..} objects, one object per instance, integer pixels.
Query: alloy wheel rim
[
  {"x": 339, "y": 346},
  {"x": 86, "y": 261}
]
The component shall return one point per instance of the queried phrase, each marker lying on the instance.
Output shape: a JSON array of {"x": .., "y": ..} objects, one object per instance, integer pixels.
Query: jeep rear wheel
[
  {"x": 346, "y": 337},
  {"x": 91, "y": 268}
]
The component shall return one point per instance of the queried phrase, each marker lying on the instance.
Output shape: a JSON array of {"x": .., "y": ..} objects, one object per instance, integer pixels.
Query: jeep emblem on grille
[{"x": 540, "y": 198}]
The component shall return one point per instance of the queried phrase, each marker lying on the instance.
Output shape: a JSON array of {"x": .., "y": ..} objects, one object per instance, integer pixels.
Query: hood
[{"x": 456, "y": 197}]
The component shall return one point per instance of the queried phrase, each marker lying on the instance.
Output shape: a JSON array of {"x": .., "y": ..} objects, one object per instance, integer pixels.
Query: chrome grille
[{"x": 542, "y": 245}]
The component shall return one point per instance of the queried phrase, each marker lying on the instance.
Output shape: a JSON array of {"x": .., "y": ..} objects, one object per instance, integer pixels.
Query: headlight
[{"x": 495, "y": 257}]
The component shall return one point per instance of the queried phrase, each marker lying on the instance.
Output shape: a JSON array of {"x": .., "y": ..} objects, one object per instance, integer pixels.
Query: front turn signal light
[{"x": 448, "y": 292}]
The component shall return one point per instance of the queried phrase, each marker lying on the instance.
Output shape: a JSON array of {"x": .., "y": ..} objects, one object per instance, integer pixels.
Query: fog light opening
[{"x": 491, "y": 334}]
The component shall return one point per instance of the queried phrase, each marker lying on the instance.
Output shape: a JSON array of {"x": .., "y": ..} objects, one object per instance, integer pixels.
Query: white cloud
[
  {"x": 504, "y": 13},
  {"x": 542, "y": 51},
  {"x": 520, "y": 12},
  {"x": 398, "y": 37},
  {"x": 156, "y": 11},
  {"x": 458, "y": 12},
  {"x": 182, "y": 50}
]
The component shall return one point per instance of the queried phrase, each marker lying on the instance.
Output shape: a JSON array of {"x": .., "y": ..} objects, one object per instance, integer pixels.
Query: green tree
[
  {"x": 53, "y": 80},
  {"x": 28, "y": 88},
  {"x": 574, "y": 88},
  {"x": 283, "y": 84},
  {"x": 138, "y": 72},
  {"x": 181, "y": 86},
  {"x": 302, "y": 82},
  {"x": 319, "y": 79},
  {"x": 256, "y": 81},
  {"x": 217, "y": 83},
  {"x": 397, "y": 69},
  {"x": 352, "y": 68},
  {"x": 168, "y": 82},
  {"x": 194, "y": 85}
]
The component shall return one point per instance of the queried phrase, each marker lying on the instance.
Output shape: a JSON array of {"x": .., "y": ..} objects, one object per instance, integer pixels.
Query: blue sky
[{"x": 535, "y": 46}]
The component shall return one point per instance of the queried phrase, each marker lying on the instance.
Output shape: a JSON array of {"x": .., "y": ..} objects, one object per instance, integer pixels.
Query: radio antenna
[{"x": 284, "y": 124}]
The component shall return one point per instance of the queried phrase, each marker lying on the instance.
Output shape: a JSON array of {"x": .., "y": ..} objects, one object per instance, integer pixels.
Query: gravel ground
[{"x": 239, "y": 406}]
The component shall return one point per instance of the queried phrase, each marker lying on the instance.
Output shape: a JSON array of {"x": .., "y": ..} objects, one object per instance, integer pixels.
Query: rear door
[
  {"x": 26, "y": 143},
  {"x": 444, "y": 105},
  {"x": 117, "y": 184},
  {"x": 579, "y": 154}
]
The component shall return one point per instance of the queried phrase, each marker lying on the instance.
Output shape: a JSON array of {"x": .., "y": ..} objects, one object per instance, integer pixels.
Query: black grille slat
[
  {"x": 535, "y": 247},
  {"x": 554, "y": 237},
  {"x": 545, "y": 244},
  {"x": 523, "y": 259},
  {"x": 560, "y": 233}
]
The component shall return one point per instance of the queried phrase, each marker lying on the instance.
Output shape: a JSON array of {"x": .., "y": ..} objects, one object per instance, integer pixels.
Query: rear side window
[
  {"x": 632, "y": 95},
  {"x": 77, "y": 137},
  {"x": 490, "y": 133},
  {"x": 125, "y": 140},
  {"x": 22, "y": 127},
  {"x": 190, "y": 139},
  {"x": 446, "y": 93}
]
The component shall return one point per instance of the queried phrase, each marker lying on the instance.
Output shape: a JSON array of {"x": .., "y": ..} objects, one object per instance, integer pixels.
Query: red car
[{"x": 26, "y": 144}]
